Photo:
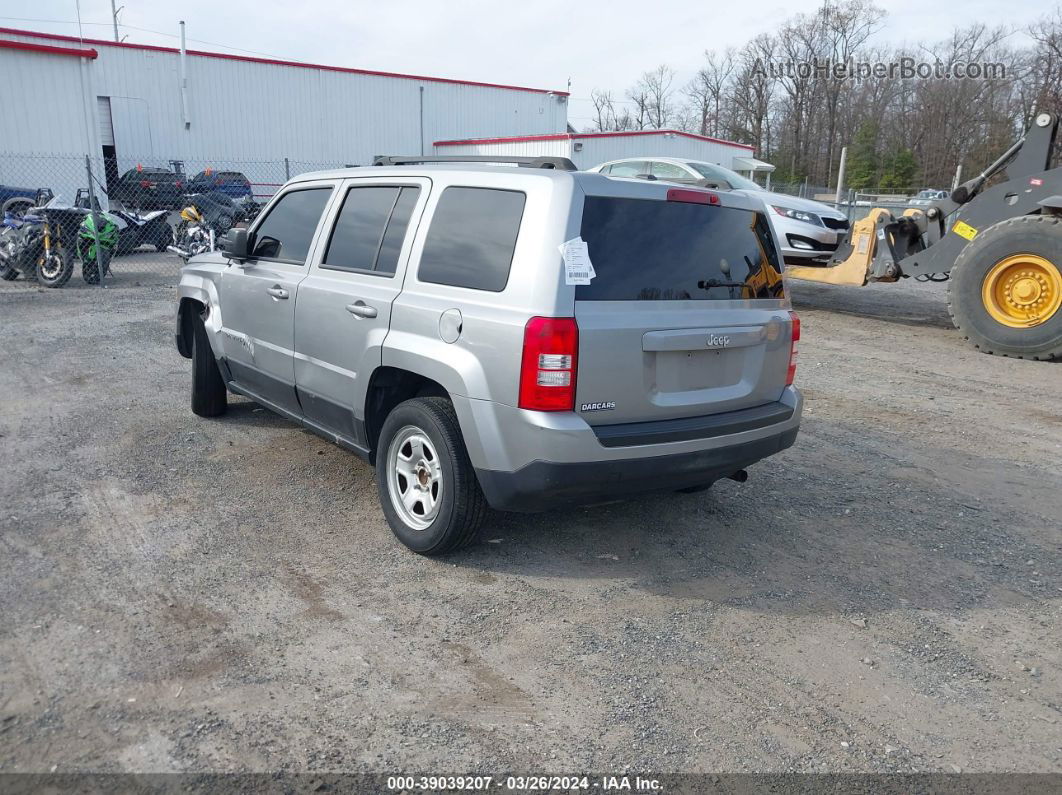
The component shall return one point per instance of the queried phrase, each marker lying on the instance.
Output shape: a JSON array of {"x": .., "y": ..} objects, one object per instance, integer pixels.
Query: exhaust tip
[{"x": 740, "y": 476}]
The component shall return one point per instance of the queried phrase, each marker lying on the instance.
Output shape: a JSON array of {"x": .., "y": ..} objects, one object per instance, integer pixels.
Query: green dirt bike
[{"x": 93, "y": 261}]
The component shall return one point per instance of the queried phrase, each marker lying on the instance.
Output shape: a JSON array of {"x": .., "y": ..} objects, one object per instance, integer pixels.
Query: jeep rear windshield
[{"x": 653, "y": 250}]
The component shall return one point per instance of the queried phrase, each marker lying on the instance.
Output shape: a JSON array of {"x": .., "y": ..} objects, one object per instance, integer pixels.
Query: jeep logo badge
[{"x": 717, "y": 341}]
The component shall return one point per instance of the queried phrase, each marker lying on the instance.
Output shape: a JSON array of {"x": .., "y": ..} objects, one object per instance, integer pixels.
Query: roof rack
[{"x": 561, "y": 163}]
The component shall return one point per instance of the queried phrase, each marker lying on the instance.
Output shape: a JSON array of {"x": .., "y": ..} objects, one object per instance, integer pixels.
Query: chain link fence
[
  {"x": 80, "y": 222},
  {"x": 67, "y": 219},
  {"x": 857, "y": 203}
]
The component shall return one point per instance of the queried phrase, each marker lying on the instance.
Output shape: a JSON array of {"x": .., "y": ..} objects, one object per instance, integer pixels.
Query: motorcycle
[
  {"x": 38, "y": 243},
  {"x": 41, "y": 243},
  {"x": 205, "y": 218},
  {"x": 134, "y": 229},
  {"x": 96, "y": 257}
]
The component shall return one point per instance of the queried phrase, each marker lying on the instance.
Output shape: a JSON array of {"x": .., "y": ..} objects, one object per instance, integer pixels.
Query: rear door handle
[
  {"x": 277, "y": 291},
  {"x": 361, "y": 309}
]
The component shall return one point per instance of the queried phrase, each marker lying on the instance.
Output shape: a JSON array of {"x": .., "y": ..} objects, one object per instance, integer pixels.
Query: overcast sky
[{"x": 540, "y": 44}]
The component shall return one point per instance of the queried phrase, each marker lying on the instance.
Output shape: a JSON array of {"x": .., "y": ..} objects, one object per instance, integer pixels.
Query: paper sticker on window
[{"x": 577, "y": 266}]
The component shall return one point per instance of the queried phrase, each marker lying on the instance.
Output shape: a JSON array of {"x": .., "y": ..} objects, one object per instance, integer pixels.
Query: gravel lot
[{"x": 184, "y": 594}]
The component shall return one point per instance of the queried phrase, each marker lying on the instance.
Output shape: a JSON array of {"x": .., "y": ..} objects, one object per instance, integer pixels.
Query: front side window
[
  {"x": 472, "y": 238},
  {"x": 370, "y": 228},
  {"x": 286, "y": 233}
]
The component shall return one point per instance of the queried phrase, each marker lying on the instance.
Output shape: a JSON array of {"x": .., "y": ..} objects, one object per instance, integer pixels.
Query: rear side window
[
  {"x": 651, "y": 250},
  {"x": 286, "y": 233},
  {"x": 630, "y": 168},
  {"x": 670, "y": 171},
  {"x": 370, "y": 228},
  {"x": 472, "y": 238}
]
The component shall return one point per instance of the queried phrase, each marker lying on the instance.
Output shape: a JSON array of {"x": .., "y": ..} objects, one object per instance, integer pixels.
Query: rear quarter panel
[{"x": 484, "y": 362}]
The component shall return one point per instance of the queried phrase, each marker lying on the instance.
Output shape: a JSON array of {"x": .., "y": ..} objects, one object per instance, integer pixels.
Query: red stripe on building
[
  {"x": 275, "y": 62},
  {"x": 30, "y": 47}
]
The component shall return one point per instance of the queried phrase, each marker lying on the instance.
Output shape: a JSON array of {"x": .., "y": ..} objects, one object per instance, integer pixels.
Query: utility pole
[
  {"x": 184, "y": 81},
  {"x": 114, "y": 19},
  {"x": 840, "y": 175}
]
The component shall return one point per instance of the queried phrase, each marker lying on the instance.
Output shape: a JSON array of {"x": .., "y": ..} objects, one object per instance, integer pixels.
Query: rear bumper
[
  {"x": 533, "y": 461},
  {"x": 542, "y": 485}
]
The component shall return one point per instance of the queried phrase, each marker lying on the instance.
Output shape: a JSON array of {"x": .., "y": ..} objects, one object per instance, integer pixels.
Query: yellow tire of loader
[{"x": 1022, "y": 290}]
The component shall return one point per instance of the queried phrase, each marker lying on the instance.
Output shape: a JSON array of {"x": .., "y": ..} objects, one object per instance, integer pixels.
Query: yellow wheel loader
[{"x": 1000, "y": 247}]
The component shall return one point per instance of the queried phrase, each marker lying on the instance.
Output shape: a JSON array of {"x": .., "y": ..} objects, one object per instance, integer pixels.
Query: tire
[
  {"x": 209, "y": 396},
  {"x": 90, "y": 271},
  {"x": 461, "y": 506},
  {"x": 56, "y": 269},
  {"x": 1039, "y": 236},
  {"x": 17, "y": 206},
  {"x": 165, "y": 238}
]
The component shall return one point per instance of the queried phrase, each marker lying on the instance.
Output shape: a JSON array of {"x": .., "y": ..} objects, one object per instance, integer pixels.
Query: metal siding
[
  {"x": 556, "y": 148},
  {"x": 246, "y": 111},
  {"x": 599, "y": 150},
  {"x": 37, "y": 88},
  {"x": 43, "y": 144}
]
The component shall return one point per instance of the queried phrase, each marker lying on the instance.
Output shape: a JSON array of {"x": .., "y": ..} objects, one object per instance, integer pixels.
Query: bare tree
[
  {"x": 604, "y": 110},
  {"x": 1044, "y": 66},
  {"x": 781, "y": 93},
  {"x": 706, "y": 91},
  {"x": 638, "y": 115}
]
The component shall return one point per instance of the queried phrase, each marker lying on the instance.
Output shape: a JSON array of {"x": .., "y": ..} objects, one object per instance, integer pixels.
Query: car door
[
  {"x": 258, "y": 295},
  {"x": 127, "y": 185},
  {"x": 344, "y": 307}
]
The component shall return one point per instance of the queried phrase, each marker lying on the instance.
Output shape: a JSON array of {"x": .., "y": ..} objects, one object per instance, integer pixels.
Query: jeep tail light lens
[
  {"x": 692, "y": 196},
  {"x": 548, "y": 364},
  {"x": 145, "y": 184},
  {"x": 795, "y": 319}
]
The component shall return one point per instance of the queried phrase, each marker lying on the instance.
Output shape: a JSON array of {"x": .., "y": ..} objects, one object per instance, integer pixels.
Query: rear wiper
[{"x": 708, "y": 284}]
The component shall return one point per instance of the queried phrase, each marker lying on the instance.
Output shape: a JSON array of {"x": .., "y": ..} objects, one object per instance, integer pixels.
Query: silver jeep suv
[{"x": 500, "y": 336}]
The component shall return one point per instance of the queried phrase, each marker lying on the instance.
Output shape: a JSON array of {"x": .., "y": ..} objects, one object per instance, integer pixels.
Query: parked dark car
[
  {"x": 15, "y": 201},
  {"x": 232, "y": 183},
  {"x": 10, "y": 192},
  {"x": 150, "y": 189}
]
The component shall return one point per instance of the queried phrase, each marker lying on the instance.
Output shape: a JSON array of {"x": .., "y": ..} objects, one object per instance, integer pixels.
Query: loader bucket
[{"x": 858, "y": 252}]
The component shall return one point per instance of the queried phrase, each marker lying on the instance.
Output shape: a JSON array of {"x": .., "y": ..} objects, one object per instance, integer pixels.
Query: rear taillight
[
  {"x": 178, "y": 183},
  {"x": 795, "y": 321},
  {"x": 692, "y": 196},
  {"x": 548, "y": 365},
  {"x": 145, "y": 184}
]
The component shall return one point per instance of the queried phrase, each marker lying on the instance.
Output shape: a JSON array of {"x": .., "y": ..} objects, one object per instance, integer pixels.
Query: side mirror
[
  {"x": 234, "y": 245},
  {"x": 715, "y": 184}
]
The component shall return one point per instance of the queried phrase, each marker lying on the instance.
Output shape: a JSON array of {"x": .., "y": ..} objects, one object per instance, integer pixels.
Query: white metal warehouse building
[
  {"x": 67, "y": 96},
  {"x": 590, "y": 149}
]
